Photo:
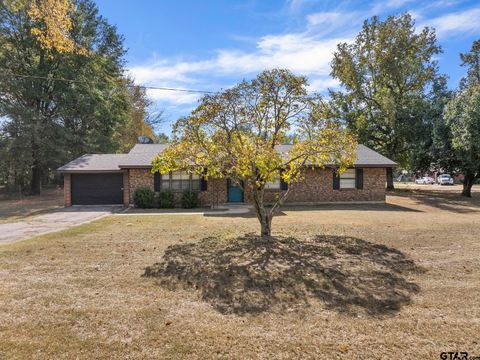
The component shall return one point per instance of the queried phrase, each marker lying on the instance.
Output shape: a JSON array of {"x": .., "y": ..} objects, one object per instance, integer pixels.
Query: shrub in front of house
[
  {"x": 166, "y": 199},
  {"x": 144, "y": 197},
  {"x": 189, "y": 199}
]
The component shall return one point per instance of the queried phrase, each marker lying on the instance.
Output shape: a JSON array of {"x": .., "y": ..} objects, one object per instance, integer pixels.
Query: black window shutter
[
  {"x": 156, "y": 181},
  {"x": 359, "y": 178},
  {"x": 203, "y": 182},
  {"x": 283, "y": 184},
  {"x": 336, "y": 180}
]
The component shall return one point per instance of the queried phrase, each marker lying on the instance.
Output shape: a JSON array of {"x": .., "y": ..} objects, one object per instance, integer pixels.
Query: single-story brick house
[{"x": 112, "y": 179}]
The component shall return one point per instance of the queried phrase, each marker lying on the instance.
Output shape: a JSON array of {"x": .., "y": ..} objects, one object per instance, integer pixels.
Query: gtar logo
[{"x": 451, "y": 355}]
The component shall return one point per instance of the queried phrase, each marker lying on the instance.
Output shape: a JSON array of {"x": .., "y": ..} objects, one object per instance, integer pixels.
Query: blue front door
[{"x": 235, "y": 193}]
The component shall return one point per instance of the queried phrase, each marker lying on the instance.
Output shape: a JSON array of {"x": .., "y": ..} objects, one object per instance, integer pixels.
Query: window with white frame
[
  {"x": 347, "y": 179},
  {"x": 195, "y": 182},
  {"x": 274, "y": 185},
  {"x": 180, "y": 181},
  {"x": 165, "y": 183}
]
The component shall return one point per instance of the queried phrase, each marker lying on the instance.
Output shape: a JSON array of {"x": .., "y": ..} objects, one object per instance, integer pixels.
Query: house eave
[
  {"x": 327, "y": 165},
  {"x": 135, "y": 166},
  {"x": 375, "y": 165},
  {"x": 119, "y": 171}
]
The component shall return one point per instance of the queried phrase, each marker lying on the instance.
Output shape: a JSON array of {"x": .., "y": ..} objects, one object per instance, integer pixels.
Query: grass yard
[
  {"x": 400, "y": 280},
  {"x": 14, "y": 209}
]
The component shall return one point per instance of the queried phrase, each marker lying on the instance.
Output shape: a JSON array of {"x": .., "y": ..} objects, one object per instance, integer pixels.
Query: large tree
[
  {"x": 234, "y": 134},
  {"x": 384, "y": 74},
  {"x": 57, "y": 102},
  {"x": 53, "y": 22},
  {"x": 460, "y": 131},
  {"x": 425, "y": 153},
  {"x": 140, "y": 120}
]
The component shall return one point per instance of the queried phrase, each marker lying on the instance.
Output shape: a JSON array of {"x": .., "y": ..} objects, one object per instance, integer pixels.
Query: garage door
[{"x": 97, "y": 189}]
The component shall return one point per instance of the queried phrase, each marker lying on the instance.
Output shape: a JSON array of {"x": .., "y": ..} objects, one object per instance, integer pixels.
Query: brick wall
[
  {"x": 126, "y": 188},
  {"x": 216, "y": 188},
  {"x": 67, "y": 190},
  {"x": 316, "y": 187},
  {"x": 139, "y": 177},
  {"x": 216, "y": 193}
]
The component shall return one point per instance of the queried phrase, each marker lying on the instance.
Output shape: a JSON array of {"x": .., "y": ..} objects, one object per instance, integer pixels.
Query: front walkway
[
  {"x": 54, "y": 221},
  {"x": 228, "y": 209}
]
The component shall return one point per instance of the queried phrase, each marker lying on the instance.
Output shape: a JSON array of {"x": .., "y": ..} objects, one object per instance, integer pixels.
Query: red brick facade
[
  {"x": 126, "y": 188},
  {"x": 315, "y": 187},
  {"x": 67, "y": 190},
  {"x": 137, "y": 178}
]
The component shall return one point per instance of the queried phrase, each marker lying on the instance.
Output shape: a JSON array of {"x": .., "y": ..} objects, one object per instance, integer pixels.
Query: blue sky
[{"x": 210, "y": 45}]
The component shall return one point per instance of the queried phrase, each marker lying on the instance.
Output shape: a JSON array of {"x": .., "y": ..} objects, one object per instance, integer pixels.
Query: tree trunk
[
  {"x": 263, "y": 215},
  {"x": 36, "y": 181},
  {"x": 36, "y": 178},
  {"x": 390, "y": 186},
  {"x": 467, "y": 185},
  {"x": 266, "y": 225}
]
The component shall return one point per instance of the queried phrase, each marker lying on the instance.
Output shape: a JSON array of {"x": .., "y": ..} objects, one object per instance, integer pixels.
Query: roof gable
[{"x": 94, "y": 162}]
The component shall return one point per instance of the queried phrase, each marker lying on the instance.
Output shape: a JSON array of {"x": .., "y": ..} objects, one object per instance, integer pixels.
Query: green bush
[
  {"x": 166, "y": 199},
  {"x": 189, "y": 199},
  {"x": 143, "y": 197}
]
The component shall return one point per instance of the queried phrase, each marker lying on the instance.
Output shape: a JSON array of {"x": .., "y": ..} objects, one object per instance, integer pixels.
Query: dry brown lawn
[
  {"x": 394, "y": 281},
  {"x": 27, "y": 206}
]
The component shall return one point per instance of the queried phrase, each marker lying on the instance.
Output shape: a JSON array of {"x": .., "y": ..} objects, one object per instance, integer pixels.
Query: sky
[{"x": 213, "y": 44}]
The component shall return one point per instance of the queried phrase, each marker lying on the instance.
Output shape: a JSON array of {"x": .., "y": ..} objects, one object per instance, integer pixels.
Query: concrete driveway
[{"x": 55, "y": 221}]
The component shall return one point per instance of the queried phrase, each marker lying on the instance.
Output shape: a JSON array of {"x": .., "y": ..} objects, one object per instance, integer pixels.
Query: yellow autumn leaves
[
  {"x": 52, "y": 23},
  {"x": 223, "y": 137}
]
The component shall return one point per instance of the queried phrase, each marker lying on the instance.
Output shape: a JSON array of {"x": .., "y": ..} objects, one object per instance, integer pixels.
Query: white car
[
  {"x": 445, "y": 179},
  {"x": 425, "y": 180}
]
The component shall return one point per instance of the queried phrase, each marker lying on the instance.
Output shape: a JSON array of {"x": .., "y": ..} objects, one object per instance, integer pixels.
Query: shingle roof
[
  {"x": 141, "y": 156},
  {"x": 365, "y": 157},
  {"x": 369, "y": 157},
  {"x": 148, "y": 148},
  {"x": 94, "y": 162}
]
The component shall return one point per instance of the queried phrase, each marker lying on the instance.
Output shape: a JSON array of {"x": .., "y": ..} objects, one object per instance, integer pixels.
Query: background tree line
[
  {"x": 396, "y": 101},
  {"x": 63, "y": 90},
  {"x": 392, "y": 96}
]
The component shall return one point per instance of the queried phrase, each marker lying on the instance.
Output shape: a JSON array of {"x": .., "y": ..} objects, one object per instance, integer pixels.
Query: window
[
  {"x": 195, "y": 182},
  {"x": 156, "y": 181},
  {"x": 180, "y": 181},
  {"x": 275, "y": 184},
  {"x": 165, "y": 183},
  {"x": 347, "y": 179}
]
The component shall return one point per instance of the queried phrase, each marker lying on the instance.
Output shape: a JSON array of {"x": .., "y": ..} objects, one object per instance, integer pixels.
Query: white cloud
[
  {"x": 306, "y": 52},
  {"x": 442, "y": 3},
  {"x": 417, "y": 16},
  {"x": 323, "y": 84},
  {"x": 173, "y": 97},
  {"x": 324, "y": 18},
  {"x": 454, "y": 23},
  {"x": 297, "y": 5},
  {"x": 397, "y": 3},
  {"x": 164, "y": 70},
  {"x": 298, "y": 52},
  {"x": 337, "y": 23}
]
